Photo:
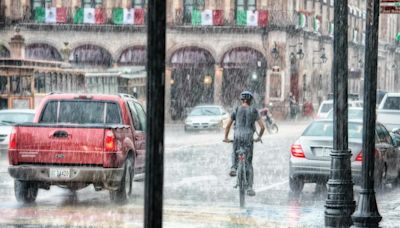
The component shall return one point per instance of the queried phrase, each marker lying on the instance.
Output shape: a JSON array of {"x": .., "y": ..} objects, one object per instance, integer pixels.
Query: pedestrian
[
  {"x": 244, "y": 118},
  {"x": 292, "y": 106}
]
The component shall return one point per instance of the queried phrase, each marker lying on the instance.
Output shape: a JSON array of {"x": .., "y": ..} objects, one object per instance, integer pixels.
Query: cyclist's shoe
[
  {"x": 251, "y": 192},
  {"x": 232, "y": 173}
]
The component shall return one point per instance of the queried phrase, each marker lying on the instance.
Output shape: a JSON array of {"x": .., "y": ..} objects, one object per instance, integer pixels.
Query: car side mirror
[{"x": 396, "y": 131}]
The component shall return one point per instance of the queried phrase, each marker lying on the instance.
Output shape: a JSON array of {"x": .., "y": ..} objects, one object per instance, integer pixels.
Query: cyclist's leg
[
  {"x": 249, "y": 167},
  {"x": 249, "y": 172},
  {"x": 234, "y": 159}
]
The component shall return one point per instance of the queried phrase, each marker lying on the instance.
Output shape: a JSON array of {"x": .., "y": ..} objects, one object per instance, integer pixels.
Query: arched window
[
  {"x": 139, "y": 4},
  {"x": 133, "y": 56},
  {"x": 91, "y": 3},
  {"x": 40, "y": 3},
  {"x": 4, "y": 52},
  {"x": 189, "y": 6},
  {"x": 41, "y": 51},
  {"x": 244, "y": 5},
  {"x": 91, "y": 55}
]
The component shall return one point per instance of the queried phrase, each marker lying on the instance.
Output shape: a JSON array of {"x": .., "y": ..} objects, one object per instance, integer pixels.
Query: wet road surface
[{"x": 197, "y": 193}]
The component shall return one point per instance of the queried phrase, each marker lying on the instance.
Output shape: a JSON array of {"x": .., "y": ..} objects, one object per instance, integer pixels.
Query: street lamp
[
  {"x": 207, "y": 80},
  {"x": 299, "y": 52},
  {"x": 275, "y": 51}
]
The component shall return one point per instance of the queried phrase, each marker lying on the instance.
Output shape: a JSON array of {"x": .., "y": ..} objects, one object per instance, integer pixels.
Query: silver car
[
  {"x": 7, "y": 119},
  {"x": 310, "y": 159},
  {"x": 206, "y": 117}
]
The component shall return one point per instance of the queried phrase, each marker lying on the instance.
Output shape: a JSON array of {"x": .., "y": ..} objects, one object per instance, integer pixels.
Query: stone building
[{"x": 215, "y": 48}]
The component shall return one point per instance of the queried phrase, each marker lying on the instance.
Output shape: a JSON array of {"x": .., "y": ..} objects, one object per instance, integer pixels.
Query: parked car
[
  {"x": 206, "y": 117},
  {"x": 388, "y": 112},
  {"x": 327, "y": 105},
  {"x": 310, "y": 159},
  {"x": 8, "y": 118},
  {"x": 352, "y": 113},
  {"x": 78, "y": 140}
]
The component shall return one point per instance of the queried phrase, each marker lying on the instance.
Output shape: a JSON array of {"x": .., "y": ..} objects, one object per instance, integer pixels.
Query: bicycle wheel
[{"x": 242, "y": 187}]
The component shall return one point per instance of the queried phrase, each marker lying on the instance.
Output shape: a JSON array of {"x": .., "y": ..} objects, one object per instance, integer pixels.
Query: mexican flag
[
  {"x": 129, "y": 16},
  {"x": 40, "y": 14},
  {"x": 331, "y": 28},
  {"x": 316, "y": 23},
  {"x": 252, "y": 18},
  {"x": 398, "y": 36},
  {"x": 302, "y": 20},
  {"x": 207, "y": 17},
  {"x": 247, "y": 18},
  {"x": 124, "y": 16},
  {"x": 89, "y": 16},
  {"x": 51, "y": 15}
]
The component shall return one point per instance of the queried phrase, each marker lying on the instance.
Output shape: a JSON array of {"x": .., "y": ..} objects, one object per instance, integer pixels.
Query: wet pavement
[{"x": 197, "y": 193}]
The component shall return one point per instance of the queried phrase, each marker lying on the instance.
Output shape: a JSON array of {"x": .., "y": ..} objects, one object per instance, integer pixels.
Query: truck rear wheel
[
  {"x": 125, "y": 188},
  {"x": 25, "y": 191}
]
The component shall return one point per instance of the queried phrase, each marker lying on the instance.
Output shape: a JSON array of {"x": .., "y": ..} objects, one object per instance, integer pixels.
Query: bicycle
[{"x": 241, "y": 180}]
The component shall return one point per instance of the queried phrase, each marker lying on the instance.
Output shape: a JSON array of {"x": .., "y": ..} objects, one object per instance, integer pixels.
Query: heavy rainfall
[{"x": 74, "y": 112}]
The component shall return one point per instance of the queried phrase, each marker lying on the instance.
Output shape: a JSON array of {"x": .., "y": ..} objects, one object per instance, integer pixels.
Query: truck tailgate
[{"x": 58, "y": 145}]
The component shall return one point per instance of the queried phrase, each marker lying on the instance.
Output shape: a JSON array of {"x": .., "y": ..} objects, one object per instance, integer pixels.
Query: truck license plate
[{"x": 60, "y": 173}]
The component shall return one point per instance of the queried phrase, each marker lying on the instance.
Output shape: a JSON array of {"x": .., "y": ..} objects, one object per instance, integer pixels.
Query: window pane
[
  {"x": 49, "y": 114},
  {"x": 81, "y": 112},
  {"x": 141, "y": 115},
  {"x": 113, "y": 114},
  {"x": 134, "y": 114}
]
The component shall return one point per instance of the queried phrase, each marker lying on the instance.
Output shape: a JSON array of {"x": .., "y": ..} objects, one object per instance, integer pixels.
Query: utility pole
[
  {"x": 156, "y": 38},
  {"x": 340, "y": 204},
  {"x": 367, "y": 214}
]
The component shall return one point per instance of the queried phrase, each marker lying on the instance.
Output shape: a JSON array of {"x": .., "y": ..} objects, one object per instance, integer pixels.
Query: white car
[
  {"x": 7, "y": 119},
  {"x": 327, "y": 106},
  {"x": 206, "y": 117}
]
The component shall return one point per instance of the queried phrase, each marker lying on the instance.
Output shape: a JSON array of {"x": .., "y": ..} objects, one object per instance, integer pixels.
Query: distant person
[
  {"x": 244, "y": 118},
  {"x": 292, "y": 106}
]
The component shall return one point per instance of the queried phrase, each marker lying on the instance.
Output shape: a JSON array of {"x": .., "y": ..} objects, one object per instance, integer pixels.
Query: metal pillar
[
  {"x": 340, "y": 204},
  {"x": 156, "y": 34},
  {"x": 367, "y": 214}
]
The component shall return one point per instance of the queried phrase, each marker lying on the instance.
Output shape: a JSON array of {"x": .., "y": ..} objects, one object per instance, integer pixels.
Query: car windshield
[
  {"x": 352, "y": 114},
  {"x": 13, "y": 118},
  {"x": 205, "y": 111},
  {"x": 326, "y": 107},
  {"x": 392, "y": 103},
  {"x": 325, "y": 129}
]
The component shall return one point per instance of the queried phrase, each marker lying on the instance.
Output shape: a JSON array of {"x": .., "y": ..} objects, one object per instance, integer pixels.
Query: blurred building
[{"x": 215, "y": 48}]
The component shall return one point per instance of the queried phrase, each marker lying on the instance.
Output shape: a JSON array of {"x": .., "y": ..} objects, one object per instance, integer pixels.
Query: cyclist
[{"x": 244, "y": 118}]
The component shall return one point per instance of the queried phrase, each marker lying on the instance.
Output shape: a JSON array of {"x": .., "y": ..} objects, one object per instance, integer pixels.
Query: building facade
[{"x": 215, "y": 48}]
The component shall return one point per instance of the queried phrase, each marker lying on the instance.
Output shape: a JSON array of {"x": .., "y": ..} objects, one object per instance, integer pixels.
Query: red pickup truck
[{"x": 78, "y": 140}]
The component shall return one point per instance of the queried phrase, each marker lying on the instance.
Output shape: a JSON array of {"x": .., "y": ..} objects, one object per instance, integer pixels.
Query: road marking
[{"x": 263, "y": 189}]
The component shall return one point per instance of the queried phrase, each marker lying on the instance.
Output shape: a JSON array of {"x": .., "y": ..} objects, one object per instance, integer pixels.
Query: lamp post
[
  {"x": 154, "y": 178},
  {"x": 367, "y": 214},
  {"x": 275, "y": 51},
  {"x": 299, "y": 53},
  {"x": 339, "y": 204}
]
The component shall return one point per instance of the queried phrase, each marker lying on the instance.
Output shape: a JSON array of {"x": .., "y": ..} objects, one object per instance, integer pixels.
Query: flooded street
[{"x": 197, "y": 191}]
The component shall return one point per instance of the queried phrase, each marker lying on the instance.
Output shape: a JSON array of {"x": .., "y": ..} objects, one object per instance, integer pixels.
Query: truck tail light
[
  {"x": 12, "y": 145},
  {"x": 109, "y": 141},
  {"x": 297, "y": 151}
]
